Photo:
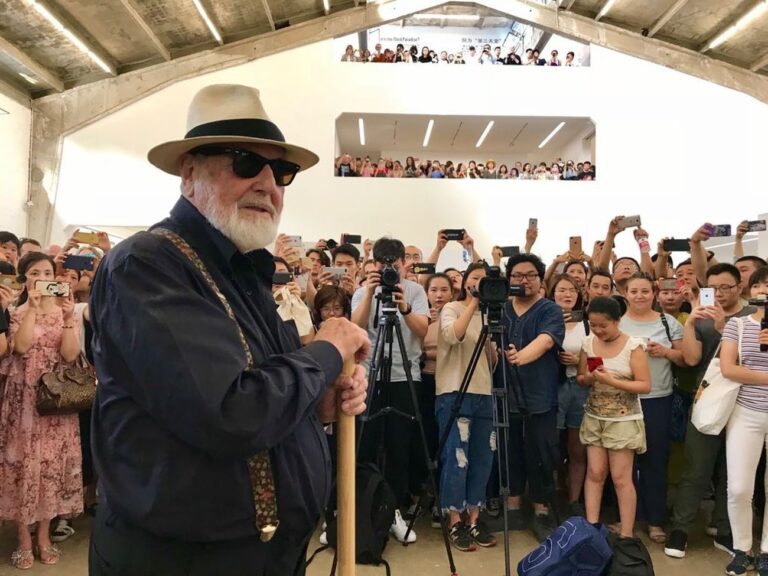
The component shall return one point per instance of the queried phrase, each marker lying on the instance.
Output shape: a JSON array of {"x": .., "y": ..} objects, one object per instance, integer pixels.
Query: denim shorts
[{"x": 570, "y": 404}]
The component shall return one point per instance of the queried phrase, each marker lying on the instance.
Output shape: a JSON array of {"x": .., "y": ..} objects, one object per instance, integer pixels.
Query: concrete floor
[{"x": 426, "y": 557}]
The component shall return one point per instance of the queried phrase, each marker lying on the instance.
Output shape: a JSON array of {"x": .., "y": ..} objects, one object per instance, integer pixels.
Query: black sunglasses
[{"x": 247, "y": 164}]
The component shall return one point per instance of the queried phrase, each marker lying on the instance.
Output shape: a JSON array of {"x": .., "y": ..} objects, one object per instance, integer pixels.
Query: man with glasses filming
[{"x": 535, "y": 331}]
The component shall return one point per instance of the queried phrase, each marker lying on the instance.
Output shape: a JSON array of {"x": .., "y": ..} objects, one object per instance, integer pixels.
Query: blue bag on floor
[{"x": 575, "y": 548}]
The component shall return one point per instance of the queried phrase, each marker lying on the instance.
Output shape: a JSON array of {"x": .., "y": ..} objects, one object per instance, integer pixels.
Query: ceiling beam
[
  {"x": 666, "y": 17},
  {"x": 760, "y": 63},
  {"x": 132, "y": 9},
  {"x": 604, "y": 7},
  {"x": 73, "y": 29},
  {"x": 268, "y": 12},
  {"x": 568, "y": 4},
  {"x": 15, "y": 93},
  {"x": 37, "y": 69},
  {"x": 735, "y": 17}
]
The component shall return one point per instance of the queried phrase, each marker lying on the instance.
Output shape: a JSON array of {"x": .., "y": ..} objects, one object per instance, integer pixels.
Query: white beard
[{"x": 246, "y": 235}]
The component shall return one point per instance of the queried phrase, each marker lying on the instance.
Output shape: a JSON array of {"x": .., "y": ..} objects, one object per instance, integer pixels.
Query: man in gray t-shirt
[
  {"x": 398, "y": 436},
  {"x": 705, "y": 454}
]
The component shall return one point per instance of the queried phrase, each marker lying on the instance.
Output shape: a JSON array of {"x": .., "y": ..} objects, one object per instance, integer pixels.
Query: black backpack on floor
[
  {"x": 630, "y": 558},
  {"x": 374, "y": 512}
]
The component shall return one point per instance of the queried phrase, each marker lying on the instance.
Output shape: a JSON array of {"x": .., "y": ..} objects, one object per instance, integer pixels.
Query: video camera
[{"x": 494, "y": 289}]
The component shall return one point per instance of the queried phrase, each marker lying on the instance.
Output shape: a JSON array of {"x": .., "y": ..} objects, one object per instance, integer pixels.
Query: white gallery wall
[
  {"x": 676, "y": 149},
  {"x": 15, "y": 126}
]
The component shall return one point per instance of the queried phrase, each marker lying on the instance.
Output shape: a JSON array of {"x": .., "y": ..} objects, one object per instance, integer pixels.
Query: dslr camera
[{"x": 390, "y": 277}]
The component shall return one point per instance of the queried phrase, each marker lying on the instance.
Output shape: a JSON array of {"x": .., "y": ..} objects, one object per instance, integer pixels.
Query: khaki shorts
[{"x": 624, "y": 435}]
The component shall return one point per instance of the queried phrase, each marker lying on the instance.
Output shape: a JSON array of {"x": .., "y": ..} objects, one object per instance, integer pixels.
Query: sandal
[
  {"x": 22, "y": 559},
  {"x": 49, "y": 555},
  {"x": 657, "y": 534}
]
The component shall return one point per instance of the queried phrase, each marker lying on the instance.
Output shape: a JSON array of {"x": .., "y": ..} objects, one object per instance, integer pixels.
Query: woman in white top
[
  {"x": 747, "y": 432},
  {"x": 571, "y": 396},
  {"x": 467, "y": 456},
  {"x": 615, "y": 367}
]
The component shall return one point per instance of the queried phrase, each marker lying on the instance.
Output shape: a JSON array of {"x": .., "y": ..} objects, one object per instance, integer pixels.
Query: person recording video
[
  {"x": 412, "y": 307},
  {"x": 535, "y": 332},
  {"x": 467, "y": 457}
]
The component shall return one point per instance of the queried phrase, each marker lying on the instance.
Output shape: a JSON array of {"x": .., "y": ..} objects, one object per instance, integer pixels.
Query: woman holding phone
[
  {"x": 40, "y": 460},
  {"x": 615, "y": 368},
  {"x": 467, "y": 457},
  {"x": 571, "y": 396},
  {"x": 663, "y": 337}
]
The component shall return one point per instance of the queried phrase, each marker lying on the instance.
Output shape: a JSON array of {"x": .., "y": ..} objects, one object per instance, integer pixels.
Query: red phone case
[{"x": 593, "y": 362}]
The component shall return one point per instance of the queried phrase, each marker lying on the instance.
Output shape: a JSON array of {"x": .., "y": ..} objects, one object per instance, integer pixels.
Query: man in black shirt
[{"x": 207, "y": 434}]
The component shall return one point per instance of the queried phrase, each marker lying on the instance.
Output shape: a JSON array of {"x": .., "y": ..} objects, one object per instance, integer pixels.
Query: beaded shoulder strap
[{"x": 260, "y": 464}]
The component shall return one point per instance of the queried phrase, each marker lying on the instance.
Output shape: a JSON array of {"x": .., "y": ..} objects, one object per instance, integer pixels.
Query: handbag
[
  {"x": 67, "y": 389},
  {"x": 681, "y": 400},
  {"x": 713, "y": 407}
]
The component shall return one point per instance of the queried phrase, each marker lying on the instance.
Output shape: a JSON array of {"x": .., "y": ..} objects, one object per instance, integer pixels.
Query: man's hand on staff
[{"x": 353, "y": 344}]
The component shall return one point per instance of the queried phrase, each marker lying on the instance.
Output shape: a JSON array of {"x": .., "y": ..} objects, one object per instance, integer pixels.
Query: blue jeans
[{"x": 467, "y": 457}]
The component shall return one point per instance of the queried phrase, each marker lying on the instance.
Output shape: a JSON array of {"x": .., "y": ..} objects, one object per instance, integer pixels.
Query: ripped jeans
[{"x": 467, "y": 458}]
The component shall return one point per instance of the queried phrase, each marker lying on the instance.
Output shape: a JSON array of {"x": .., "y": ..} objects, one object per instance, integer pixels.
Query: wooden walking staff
[{"x": 345, "y": 482}]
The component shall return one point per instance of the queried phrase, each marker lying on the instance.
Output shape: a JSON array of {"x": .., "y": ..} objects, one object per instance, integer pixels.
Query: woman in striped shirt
[{"x": 747, "y": 431}]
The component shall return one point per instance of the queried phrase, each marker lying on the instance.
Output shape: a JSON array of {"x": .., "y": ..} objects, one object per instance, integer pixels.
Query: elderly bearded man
[{"x": 207, "y": 432}]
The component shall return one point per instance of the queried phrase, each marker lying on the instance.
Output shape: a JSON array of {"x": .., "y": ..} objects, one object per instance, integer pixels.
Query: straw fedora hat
[{"x": 227, "y": 114}]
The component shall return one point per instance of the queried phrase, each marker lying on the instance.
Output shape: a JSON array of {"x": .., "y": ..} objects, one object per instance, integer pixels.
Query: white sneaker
[
  {"x": 62, "y": 531},
  {"x": 399, "y": 528}
]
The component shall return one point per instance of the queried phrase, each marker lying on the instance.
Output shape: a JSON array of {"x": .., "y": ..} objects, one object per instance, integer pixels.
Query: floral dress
[{"x": 40, "y": 458}]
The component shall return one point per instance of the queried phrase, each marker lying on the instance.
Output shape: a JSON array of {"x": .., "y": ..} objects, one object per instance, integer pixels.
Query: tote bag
[{"x": 716, "y": 402}]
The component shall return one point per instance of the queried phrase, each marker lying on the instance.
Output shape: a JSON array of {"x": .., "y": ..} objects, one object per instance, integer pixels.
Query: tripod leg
[{"x": 425, "y": 446}]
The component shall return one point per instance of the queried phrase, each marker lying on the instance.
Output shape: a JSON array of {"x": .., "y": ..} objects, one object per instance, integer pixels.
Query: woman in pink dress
[{"x": 40, "y": 458}]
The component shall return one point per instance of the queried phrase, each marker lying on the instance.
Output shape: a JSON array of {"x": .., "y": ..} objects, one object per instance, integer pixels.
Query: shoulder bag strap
[
  {"x": 260, "y": 464},
  {"x": 665, "y": 322}
]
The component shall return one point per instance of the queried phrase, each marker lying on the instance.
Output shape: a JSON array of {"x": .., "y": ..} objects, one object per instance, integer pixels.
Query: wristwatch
[{"x": 407, "y": 310}]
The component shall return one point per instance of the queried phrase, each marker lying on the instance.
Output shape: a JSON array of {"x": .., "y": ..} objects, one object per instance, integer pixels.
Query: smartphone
[
  {"x": 629, "y": 222},
  {"x": 57, "y": 289},
  {"x": 454, "y": 233},
  {"x": 594, "y": 362},
  {"x": 707, "y": 297},
  {"x": 668, "y": 284},
  {"x": 10, "y": 281},
  {"x": 424, "y": 268},
  {"x": 677, "y": 245},
  {"x": 720, "y": 230},
  {"x": 337, "y": 273},
  {"x": 351, "y": 239},
  {"x": 86, "y": 238},
  {"x": 575, "y": 246},
  {"x": 281, "y": 278},
  {"x": 533, "y": 223},
  {"x": 294, "y": 241},
  {"x": 507, "y": 251},
  {"x": 756, "y": 226},
  {"x": 79, "y": 262},
  {"x": 577, "y": 315},
  {"x": 306, "y": 262}
]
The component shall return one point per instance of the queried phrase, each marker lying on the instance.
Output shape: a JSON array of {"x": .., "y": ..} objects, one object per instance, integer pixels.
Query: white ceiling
[{"x": 406, "y": 132}]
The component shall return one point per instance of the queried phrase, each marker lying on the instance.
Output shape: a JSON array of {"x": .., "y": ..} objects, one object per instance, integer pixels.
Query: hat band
[{"x": 245, "y": 127}]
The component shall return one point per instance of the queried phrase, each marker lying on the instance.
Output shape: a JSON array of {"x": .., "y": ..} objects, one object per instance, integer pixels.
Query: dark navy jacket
[{"x": 177, "y": 413}]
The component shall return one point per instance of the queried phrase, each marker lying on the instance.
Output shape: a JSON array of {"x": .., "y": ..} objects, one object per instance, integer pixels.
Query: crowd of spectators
[
  {"x": 486, "y": 55},
  {"x": 347, "y": 166}
]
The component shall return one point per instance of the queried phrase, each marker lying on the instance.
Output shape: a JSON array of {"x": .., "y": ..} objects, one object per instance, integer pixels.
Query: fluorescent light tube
[
  {"x": 361, "y": 127},
  {"x": 484, "y": 134},
  {"x": 429, "y": 133},
  {"x": 446, "y": 17},
  {"x": 756, "y": 11},
  {"x": 208, "y": 21},
  {"x": 327, "y": 5},
  {"x": 604, "y": 10},
  {"x": 551, "y": 135},
  {"x": 45, "y": 13}
]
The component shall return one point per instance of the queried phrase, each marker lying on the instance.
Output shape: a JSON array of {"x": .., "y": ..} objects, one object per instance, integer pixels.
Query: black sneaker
[
  {"x": 543, "y": 526},
  {"x": 481, "y": 535},
  {"x": 437, "y": 521},
  {"x": 516, "y": 519},
  {"x": 676, "y": 544},
  {"x": 761, "y": 564},
  {"x": 740, "y": 564},
  {"x": 493, "y": 507},
  {"x": 460, "y": 538},
  {"x": 724, "y": 542},
  {"x": 577, "y": 509}
]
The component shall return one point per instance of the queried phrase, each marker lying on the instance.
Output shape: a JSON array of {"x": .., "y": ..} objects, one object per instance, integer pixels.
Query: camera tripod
[
  {"x": 380, "y": 375},
  {"x": 491, "y": 328}
]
